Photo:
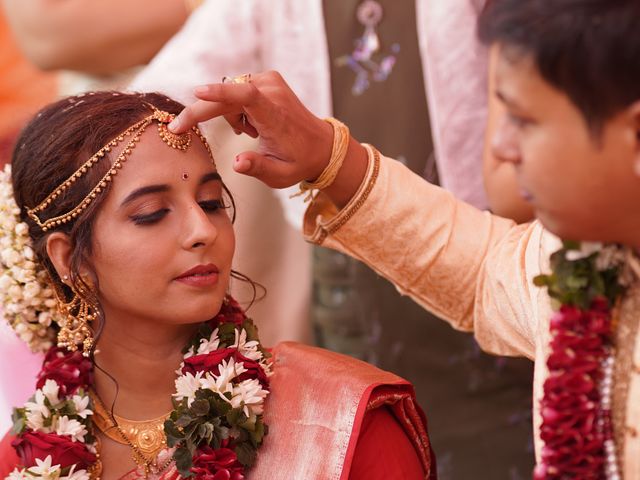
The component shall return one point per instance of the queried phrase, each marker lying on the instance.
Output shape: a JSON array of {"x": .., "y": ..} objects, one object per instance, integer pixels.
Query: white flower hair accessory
[{"x": 29, "y": 303}]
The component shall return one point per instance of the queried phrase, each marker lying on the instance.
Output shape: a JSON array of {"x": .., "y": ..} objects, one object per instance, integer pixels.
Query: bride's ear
[{"x": 59, "y": 249}]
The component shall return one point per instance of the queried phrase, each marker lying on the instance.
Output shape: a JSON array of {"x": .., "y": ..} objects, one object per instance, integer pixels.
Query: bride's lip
[{"x": 200, "y": 276}]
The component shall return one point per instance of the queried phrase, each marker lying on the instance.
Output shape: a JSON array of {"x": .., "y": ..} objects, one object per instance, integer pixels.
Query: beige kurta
[{"x": 474, "y": 270}]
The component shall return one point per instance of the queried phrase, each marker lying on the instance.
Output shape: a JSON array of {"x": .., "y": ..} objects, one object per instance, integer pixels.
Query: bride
[{"x": 116, "y": 262}]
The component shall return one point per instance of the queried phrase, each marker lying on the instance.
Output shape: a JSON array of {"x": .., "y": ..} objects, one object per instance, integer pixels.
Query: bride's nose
[{"x": 197, "y": 228}]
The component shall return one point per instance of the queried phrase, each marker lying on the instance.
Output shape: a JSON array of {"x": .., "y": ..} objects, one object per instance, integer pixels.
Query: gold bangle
[{"x": 338, "y": 153}]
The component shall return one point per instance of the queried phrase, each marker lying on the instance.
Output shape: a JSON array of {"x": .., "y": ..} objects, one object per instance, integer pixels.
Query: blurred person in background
[
  {"x": 105, "y": 41},
  {"x": 419, "y": 66}
]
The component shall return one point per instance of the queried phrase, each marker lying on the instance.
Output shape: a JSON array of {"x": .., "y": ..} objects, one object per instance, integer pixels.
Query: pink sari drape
[{"x": 315, "y": 411}]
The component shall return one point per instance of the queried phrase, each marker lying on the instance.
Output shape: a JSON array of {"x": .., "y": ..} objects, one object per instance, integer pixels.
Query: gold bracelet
[{"x": 338, "y": 153}]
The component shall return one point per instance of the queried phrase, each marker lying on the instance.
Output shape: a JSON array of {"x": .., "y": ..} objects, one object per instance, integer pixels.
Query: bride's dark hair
[{"x": 59, "y": 139}]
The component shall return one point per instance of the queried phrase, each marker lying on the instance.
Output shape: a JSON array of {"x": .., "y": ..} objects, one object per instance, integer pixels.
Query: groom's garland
[
  {"x": 215, "y": 428},
  {"x": 585, "y": 285}
]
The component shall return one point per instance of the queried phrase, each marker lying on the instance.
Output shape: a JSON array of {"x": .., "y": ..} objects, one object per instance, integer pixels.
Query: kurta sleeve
[{"x": 469, "y": 267}]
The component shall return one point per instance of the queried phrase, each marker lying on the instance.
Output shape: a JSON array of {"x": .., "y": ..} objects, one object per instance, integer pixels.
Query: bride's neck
[{"x": 142, "y": 357}]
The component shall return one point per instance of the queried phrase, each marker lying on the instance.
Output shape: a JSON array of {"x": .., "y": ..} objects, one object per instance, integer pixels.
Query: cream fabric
[{"x": 474, "y": 270}]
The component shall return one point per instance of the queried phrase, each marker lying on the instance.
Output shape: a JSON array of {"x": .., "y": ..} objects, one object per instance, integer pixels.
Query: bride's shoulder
[{"x": 314, "y": 362}]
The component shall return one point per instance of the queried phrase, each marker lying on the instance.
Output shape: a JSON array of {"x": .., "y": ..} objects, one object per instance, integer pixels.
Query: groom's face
[{"x": 583, "y": 184}]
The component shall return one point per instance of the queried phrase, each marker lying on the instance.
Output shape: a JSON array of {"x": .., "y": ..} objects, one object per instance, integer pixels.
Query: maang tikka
[{"x": 132, "y": 134}]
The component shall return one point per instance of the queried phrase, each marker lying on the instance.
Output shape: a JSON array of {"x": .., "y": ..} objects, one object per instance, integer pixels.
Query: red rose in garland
[
  {"x": 64, "y": 452},
  {"x": 210, "y": 362},
  {"x": 220, "y": 464},
  {"x": 70, "y": 370}
]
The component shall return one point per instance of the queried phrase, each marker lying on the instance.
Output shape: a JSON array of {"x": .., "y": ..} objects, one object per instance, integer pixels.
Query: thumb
[{"x": 268, "y": 169}]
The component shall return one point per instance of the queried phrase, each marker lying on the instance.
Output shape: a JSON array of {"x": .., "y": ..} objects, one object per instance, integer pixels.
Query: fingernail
[
  {"x": 201, "y": 89},
  {"x": 175, "y": 124}
]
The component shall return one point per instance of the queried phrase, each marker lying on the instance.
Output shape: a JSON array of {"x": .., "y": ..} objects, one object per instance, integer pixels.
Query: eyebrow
[
  {"x": 149, "y": 189},
  {"x": 209, "y": 177}
]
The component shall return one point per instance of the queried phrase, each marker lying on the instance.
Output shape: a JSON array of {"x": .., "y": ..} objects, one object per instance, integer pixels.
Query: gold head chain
[{"x": 179, "y": 142}]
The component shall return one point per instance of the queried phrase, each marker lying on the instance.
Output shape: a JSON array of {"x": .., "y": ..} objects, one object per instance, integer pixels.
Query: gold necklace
[{"x": 146, "y": 438}]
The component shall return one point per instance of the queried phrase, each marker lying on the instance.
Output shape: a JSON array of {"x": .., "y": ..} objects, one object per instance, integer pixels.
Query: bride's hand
[{"x": 294, "y": 144}]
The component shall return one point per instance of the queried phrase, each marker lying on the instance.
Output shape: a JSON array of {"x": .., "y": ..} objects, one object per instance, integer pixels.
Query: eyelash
[{"x": 210, "y": 206}]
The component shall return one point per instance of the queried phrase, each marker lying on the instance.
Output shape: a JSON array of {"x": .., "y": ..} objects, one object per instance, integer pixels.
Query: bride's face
[{"x": 162, "y": 240}]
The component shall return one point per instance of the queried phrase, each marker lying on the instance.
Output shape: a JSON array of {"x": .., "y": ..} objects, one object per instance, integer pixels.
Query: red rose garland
[
  {"x": 576, "y": 406},
  {"x": 216, "y": 427}
]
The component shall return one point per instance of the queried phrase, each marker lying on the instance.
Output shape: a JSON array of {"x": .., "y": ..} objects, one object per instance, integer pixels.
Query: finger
[
  {"x": 234, "y": 122},
  {"x": 199, "y": 112},
  {"x": 269, "y": 170},
  {"x": 245, "y": 96},
  {"x": 240, "y": 124}
]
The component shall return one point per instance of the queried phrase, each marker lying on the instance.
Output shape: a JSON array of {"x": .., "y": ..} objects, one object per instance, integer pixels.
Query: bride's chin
[{"x": 203, "y": 313}]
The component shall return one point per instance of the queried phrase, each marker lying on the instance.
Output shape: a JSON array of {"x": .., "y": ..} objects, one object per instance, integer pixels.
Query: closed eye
[
  {"x": 212, "y": 205},
  {"x": 150, "y": 218}
]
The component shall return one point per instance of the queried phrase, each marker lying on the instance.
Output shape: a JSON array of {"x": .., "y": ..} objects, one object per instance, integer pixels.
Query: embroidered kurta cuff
[{"x": 323, "y": 218}]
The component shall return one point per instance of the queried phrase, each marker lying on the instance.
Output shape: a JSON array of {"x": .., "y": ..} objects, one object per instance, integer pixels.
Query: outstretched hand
[{"x": 294, "y": 144}]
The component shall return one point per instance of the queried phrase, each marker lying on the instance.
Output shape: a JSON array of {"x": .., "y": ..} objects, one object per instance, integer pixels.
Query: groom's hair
[{"x": 589, "y": 49}]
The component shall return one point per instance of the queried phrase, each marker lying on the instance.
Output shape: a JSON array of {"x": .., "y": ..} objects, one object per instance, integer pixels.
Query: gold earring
[{"x": 75, "y": 321}]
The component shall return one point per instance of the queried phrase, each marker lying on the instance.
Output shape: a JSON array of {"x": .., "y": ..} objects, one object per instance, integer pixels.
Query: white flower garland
[{"x": 28, "y": 301}]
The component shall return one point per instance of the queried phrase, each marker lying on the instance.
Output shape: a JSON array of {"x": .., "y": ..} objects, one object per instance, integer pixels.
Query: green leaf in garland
[
  {"x": 19, "y": 421},
  {"x": 257, "y": 432},
  {"x": 236, "y": 416},
  {"x": 218, "y": 406},
  {"x": 199, "y": 408},
  {"x": 227, "y": 334},
  {"x": 246, "y": 454},
  {"x": 205, "y": 432},
  {"x": 184, "y": 461},
  {"x": 174, "y": 435},
  {"x": 184, "y": 420}
]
